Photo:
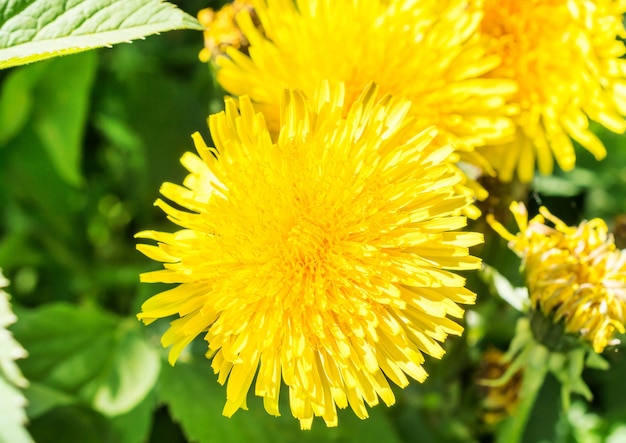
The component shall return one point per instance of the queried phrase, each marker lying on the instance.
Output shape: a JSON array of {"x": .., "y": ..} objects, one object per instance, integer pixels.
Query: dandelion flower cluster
[
  {"x": 574, "y": 274},
  {"x": 322, "y": 259},
  {"x": 221, "y": 29},
  {"x": 565, "y": 57},
  {"x": 427, "y": 51}
]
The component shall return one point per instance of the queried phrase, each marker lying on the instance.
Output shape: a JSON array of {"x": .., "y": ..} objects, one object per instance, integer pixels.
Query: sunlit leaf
[
  {"x": 516, "y": 297},
  {"x": 131, "y": 373},
  {"x": 89, "y": 353},
  {"x": 12, "y": 415},
  {"x": 584, "y": 425},
  {"x": 32, "y": 30},
  {"x": 567, "y": 185},
  {"x": 617, "y": 435}
]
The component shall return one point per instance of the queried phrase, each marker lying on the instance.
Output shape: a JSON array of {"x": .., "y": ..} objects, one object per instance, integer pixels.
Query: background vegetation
[{"x": 85, "y": 142}]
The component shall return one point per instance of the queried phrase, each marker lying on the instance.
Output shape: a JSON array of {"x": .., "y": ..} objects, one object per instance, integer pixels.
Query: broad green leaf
[
  {"x": 196, "y": 400},
  {"x": 51, "y": 100},
  {"x": 72, "y": 424},
  {"x": 12, "y": 402},
  {"x": 68, "y": 345},
  {"x": 131, "y": 372},
  {"x": 42, "y": 399},
  {"x": 89, "y": 354},
  {"x": 32, "y": 30},
  {"x": 135, "y": 425},
  {"x": 62, "y": 104},
  {"x": 17, "y": 100}
]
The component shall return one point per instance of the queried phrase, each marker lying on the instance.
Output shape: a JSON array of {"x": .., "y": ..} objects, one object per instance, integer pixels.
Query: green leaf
[
  {"x": 131, "y": 373},
  {"x": 42, "y": 399},
  {"x": 12, "y": 415},
  {"x": 72, "y": 424},
  {"x": 584, "y": 425},
  {"x": 596, "y": 361},
  {"x": 68, "y": 345},
  {"x": 89, "y": 354},
  {"x": 196, "y": 400},
  {"x": 62, "y": 105},
  {"x": 17, "y": 100},
  {"x": 555, "y": 185},
  {"x": 52, "y": 101},
  {"x": 617, "y": 435},
  {"x": 516, "y": 297},
  {"x": 135, "y": 425},
  {"x": 32, "y": 30}
]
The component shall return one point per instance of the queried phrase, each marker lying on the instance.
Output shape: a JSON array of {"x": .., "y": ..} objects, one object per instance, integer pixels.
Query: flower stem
[{"x": 512, "y": 429}]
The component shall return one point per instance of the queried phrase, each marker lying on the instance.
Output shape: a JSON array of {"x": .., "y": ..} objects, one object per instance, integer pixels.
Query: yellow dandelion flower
[
  {"x": 221, "y": 29},
  {"x": 322, "y": 259},
  {"x": 427, "y": 51},
  {"x": 574, "y": 274},
  {"x": 566, "y": 59}
]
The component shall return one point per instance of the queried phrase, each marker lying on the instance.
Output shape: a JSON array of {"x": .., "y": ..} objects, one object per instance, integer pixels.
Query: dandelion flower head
[
  {"x": 221, "y": 29},
  {"x": 574, "y": 274},
  {"x": 565, "y": 56},
  {"x": 427, "y": 51},
  {"x": 323, "y": 258}
]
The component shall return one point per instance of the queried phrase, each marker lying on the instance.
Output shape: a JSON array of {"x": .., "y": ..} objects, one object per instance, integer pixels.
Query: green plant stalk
[{"x": 512, "y": 430}]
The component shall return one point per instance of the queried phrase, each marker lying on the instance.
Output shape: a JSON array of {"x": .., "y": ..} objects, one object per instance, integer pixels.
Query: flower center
[
  {"x": 307, "y": 243},
  {"x": 534, "y": 40}
]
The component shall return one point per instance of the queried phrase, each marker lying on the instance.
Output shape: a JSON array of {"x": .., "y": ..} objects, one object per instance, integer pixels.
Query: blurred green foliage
[{"x": 85, "y": 142}]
